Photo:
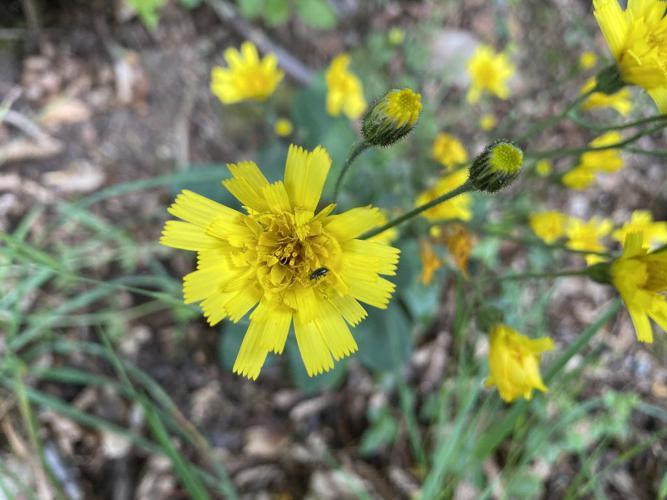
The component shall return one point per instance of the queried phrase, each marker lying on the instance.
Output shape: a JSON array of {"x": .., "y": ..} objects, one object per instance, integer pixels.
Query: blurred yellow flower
[
  {"x": 514, "y": 363},
  {"x": 586, "y": 235},
  {"x": 489, "y": 72},
  {"x": 637, "y": 38},
  {"x": 641, "y": 221},
  {"x": 641, "y": 279},
  {"x": 283, "y": 127},
  {"x": 549, "y": 226},
  {"x": 587, "y": 60},
  {"x": 456, "y": 208},
  {"x": 396, "y": 36},
  {"x": 487, "y": 122},
  {"x": 448, "y": 150},
  {"x": 579, "y": 178},
  {"x": 620, "y": 101},
  {"x": 459, "y": 242},
  {"x": 543, "y": 168},
  {"x": 344, "y": 90},
  {"x": 285, "y": 260},
  {"x": 247, "y": 77},
  {"x": 430, "y": 262}
]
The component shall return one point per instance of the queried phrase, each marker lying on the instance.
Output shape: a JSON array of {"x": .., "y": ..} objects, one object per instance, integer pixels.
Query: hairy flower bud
[
  {"x": 497, "y": 166},
  {"x": 391, "y": 117}
]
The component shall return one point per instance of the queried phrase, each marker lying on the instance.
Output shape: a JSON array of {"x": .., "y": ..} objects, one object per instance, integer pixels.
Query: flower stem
[
  {"x": 553, "y": 274},
  {"x": 356, "y": 150},
  {"x": 463, "y": 188},
  {"x": 620, "y": 126}
]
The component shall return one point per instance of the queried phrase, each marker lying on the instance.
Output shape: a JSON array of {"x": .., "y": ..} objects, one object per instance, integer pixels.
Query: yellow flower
[
  {"x": 587, "y": 60},
  {"x": 514, "y": 363},
  {"x": 456, "y": 208},
  {"x": 448, "y": 150},
  {"x": 586, "y": 236},
  {"x": 637, "y": 38},
  {"x": 459, "y": 242},
  {"x": 641, "y": 279},
  {"x": 488, "y": 72},
  {"x": 620, "y": 101},
  {"x": 344, "y": 91},
  {"x": 247, "y": 78},
  {"x": 283, "y": 127},
  {"x": 285, "y": 260},
  {"x": 641, "y": 221},
  {"x": 543, "y": 168},
  {"x": 579, "y": 178},
  {"x": 487, "y": 122},
  {"x": 392, "y": 117},
  {"x": 548, "y": 226},
  {"x": 430, "y": 262}
]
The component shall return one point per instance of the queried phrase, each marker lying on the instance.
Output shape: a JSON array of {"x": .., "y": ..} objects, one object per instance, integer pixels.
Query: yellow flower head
[
  {"x": 448, "y": 150},
  {"x": 430, "y": 262},
  {"x": 344, "y": 91},
  {"x": 579, "y": 178},
  {"x": 619, "y": 101},
  {"x": 548, "y": 226},
  {"x": 586, "y": 236},
  {"x": 641, "y": 279},
  {"x": 283, "y": 127},
  {"x": 293, "y": 265},
  {"x": 488, "y": 72},
  {"x": 514, "y": 363},
  {"x": 641, "y": 221},
  {"x": 456, "y": 208},
  {"x": 392, "y": 117},
  {"x": 587, "y": 60},
  {"x": 247, "y": 77},
  {"x": 487, "y": 122},
  {"x": 459, "y": 242},
  {"x": 606, "y": 160},
  {"x": 543, "y": 168},
  {"x": 637, "y": 38}
]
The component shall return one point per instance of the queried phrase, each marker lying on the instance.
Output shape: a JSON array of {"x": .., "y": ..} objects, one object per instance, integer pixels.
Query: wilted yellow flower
[
  {"x": 448, "y": 150},
  {"x": 488, "y": 72},
  {"x": 620, "y": 101},
  {"x": 247, "y": 77},
  {"x": 641, "y": 221},
  {"x": 283, "y": 127},
  {"x": 637, "y": 38},
  {"x": 641, "y": 279},
  {"x": 459, "y": 242},
  {"x": 456, "y": 208},
  {"x": 548, "y": 226},
  {"x": 514, "y": 363},
  {"x": 543, "y": 168},
  {"x": 586, "y": 235},
  {"x": 587, "y": 60},
  {"x": 285, "y": 260},
  {"x": 487, "y": 121},
  {"x": 579, "y": 178},
  {"x": 392, "y": 117},
  {"x": 430, "y": 262},
  {"x": 344, "y": 91}
]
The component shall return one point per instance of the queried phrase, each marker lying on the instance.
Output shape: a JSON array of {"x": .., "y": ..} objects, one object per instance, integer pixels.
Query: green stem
[
  {"x": 548, "y": 153},
  {"x": 553, "y": 120},
  {"x": 356, "y": 151},
  {"x": 620, "y": 126},
  {"x": 558, "y": 274},
  {"x": 658, "y": 153},
  {"x": 463, "y": 188}
]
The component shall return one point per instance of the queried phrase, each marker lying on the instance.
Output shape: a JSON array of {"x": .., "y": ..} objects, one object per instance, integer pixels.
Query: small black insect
[{"x": 318, "y": 273}]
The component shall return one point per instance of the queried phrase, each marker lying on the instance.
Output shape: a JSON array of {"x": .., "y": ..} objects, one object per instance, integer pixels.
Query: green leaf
[
  {"x": 317, "y": 14},
  {"x": 276, "y": 12},
  {"x": 250, "y": 8},
  {"x": 380, "y": 433},
  {"x": 384, "y": 338},
  {"x": 147, "y": 10},
  {"x": 190, "y": 4}
]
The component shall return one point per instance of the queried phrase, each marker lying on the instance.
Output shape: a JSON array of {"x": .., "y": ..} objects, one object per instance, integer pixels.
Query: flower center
[{"x": 506, "y": 158}]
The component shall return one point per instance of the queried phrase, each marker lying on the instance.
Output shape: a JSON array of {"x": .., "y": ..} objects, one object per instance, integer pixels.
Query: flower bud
[
  {"x": 497, "y": 166},
  {"x": 609, "y": 80},
  {"x": 391, "y": 117}
]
